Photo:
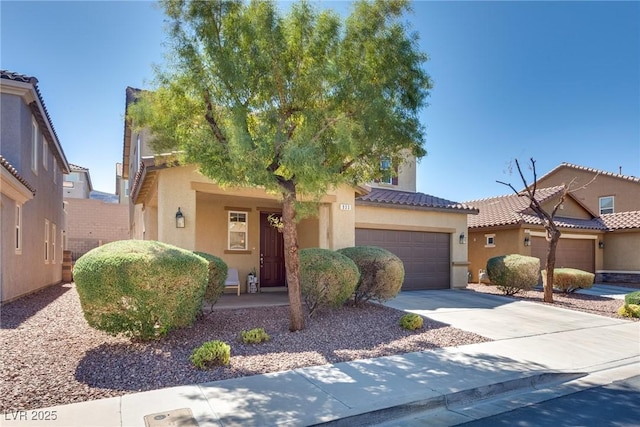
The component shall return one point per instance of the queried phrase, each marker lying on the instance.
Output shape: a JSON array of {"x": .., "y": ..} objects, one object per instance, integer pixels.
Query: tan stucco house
[
  {"x": 32, "y": 165},
  {"x": 232, "y": 223},
  {"x": 599, "y": 221}
]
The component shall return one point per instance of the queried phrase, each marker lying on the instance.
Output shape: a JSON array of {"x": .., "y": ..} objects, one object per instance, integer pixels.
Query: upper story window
[
  {"x": 387, "y": 171},
  {"x": 126, "y": 188},
  {"x": 53, "y": 243},
  {"x": 55, "y": 172},
  {"x": 238, "y": 231},
  {"x": 35, "y": 137},
  {"x": 606, "y": 205}
]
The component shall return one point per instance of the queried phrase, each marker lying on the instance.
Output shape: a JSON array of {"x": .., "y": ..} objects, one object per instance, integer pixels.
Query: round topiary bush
[
  {"x": 217, "y": 275},
  {"x": 327, "y": 278},
  {"x": 140, "y": 288},
  {"x": 381, "y": 273},
  {"x": 513, "y": 273},
  {"x": 569, "y": 280}
]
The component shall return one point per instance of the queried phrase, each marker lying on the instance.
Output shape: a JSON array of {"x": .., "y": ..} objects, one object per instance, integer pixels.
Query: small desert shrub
[
  {"x": 327, "y": 278},
  {"x": 513, "y": 273},
  {"x": 217, "y": 277},
  {"x": 140, "y": 288},
  {"x": 632, "y": 298},
  {"x": 629, "y": 310},
  {"x": 411, "y": 321},
  {"x": 254, "y": 336},
  {"x": 569, "y": 280},
  {"x": 381, "y": 273},
  {"x": 211, "y": 353}
]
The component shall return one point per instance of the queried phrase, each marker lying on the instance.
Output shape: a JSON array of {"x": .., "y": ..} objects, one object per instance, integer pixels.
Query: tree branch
[{"x": 217, "y": 132}]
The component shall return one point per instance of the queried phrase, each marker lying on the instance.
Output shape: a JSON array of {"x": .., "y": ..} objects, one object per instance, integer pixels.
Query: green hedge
[
  {"x": 569, "y": 280},
  {"x": 632, "y": 298},
  {"x": 217, "y": 276},
  {"x": 139, "y": 288},
  {"x": 513, "y": 273},
  {"x": 381, "y": 273},
  {"x": 327, "y": 278}
]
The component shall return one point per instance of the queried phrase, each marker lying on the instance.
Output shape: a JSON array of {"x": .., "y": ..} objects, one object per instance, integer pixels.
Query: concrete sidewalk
[{"x": 538, "y": 348}]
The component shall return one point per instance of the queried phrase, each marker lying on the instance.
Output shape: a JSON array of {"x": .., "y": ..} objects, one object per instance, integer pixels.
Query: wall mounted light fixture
[
  {"x": 179, "y": 219},
  {"x": 601, "y": 244},
  {"x": 527, "y": 241},
  {"x": 462, "y": 238}
]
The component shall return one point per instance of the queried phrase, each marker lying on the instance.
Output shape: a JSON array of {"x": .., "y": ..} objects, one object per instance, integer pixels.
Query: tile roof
[
  {"x": 514, "y": 209},
  {"x": 622, "y": 220},
  {"x": 9, "y": 167},
  {"x": 419, "y": 200},
  {"x": 586, "y": 169},
  {"x": 17, "y": 77},
  {"x": 76, "y": 168},
  {"x": 506, "y": 210}
]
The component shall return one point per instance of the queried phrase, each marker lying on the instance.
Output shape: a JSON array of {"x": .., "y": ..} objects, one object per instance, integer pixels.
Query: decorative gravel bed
[
  {"x": 574, "y": 301},
  {"x": 50, "y": 356}
]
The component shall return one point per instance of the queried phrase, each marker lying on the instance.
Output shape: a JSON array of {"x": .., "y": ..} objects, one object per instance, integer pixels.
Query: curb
[{"x": 454, "y": 399}]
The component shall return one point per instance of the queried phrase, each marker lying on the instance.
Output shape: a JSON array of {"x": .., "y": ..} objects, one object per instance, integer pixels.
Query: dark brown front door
[{"x": 271, "y": 254}]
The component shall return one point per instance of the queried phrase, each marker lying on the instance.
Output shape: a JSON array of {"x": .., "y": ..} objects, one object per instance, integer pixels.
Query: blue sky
[{"x": 556, "y": 81}]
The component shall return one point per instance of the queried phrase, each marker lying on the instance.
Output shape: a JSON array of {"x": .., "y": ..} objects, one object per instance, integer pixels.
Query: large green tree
[{"x": 296, "y": 102}]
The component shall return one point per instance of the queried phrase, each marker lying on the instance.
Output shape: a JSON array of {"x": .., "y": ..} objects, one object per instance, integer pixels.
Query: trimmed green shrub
[
  {"x": 211, "y": 353},
  {"x": 217, "y": 276},
  {"x": 140, "y": 288},
  {"x": 254, "y": 336},
  {"x": 629, "y": 310},
  {"x": 411, "y": 321},
  {"x": 513, "y": 273},
  {"x": 632, "y": 298},
  {"x": 327, "y": 278},
  {"x": 381, "y": 273},
  {"x": 569, "y": 280}
]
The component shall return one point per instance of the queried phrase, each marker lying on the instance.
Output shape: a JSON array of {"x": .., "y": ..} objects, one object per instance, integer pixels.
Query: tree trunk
[
  {"x": 292, "y": 261},
  {"x": 551, "y": 265}
]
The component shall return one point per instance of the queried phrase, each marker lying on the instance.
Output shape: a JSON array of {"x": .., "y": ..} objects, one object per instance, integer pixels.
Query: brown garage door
[
  {"x": 570, "y": 253},
  {"x": 425, "y": 255}
]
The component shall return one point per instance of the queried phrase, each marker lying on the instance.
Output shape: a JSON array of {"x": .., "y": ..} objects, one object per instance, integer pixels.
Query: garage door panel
[
  {"x": 570, "y": 253},
  {"x": 425, "y": 255}
]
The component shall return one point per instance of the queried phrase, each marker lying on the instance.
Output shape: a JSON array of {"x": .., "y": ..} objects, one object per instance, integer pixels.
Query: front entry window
[{"x": 238, "y": 231}]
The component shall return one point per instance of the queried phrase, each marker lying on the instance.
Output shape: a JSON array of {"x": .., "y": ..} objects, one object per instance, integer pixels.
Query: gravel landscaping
[
  {"x": 574, "y": 301},
  {"x": 50, "y": 356}
]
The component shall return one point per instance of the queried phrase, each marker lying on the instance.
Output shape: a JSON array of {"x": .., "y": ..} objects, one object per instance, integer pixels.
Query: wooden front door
[{"x": 271, "y": 254}]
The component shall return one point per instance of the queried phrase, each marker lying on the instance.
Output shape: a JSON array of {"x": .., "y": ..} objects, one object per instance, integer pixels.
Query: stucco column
[
  {"x": 460, "y": 261},
  {"x": 174, "y": 191},
  {"x": 343, "y": 219},
  {"x": 324, "y": 226}
]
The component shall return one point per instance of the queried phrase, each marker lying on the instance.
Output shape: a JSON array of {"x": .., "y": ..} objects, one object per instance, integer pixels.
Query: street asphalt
[{"x": 539, "y": 352}]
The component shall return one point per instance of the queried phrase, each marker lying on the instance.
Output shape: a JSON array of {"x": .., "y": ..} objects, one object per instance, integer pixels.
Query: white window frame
[
  {"x": 35, "y": 131},
  {"x": 46, "y": 241},
  {"x": 612, "y": 208},
  {"x": 246, "y": 230},
  {"x": 490, "y": 241},
  {"x": 55, "y": 172},
  {"x": 18, "y": 235},
  {"x": 53, "y": 243}
]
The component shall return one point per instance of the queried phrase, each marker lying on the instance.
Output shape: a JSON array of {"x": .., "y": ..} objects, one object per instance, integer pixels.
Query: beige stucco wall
[
  {"x": 507, "y": 241},
  {"x": 568, "y": 209},
  {"x": 377, "y": 217},
  {"x": 622, "y": 251},
  {"x": 625, "y": 192}
]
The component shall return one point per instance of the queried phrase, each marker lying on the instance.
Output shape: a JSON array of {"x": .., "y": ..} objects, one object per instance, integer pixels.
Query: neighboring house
[
  {"x": 93, "y": 217},
  {"x": 77, "y": 185},
  {"x": 616, "y": 199},
  {"x": 32, "y": 165},
  {"x": 177, "y": 205},
  {"x": 596, "y": 237}
]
